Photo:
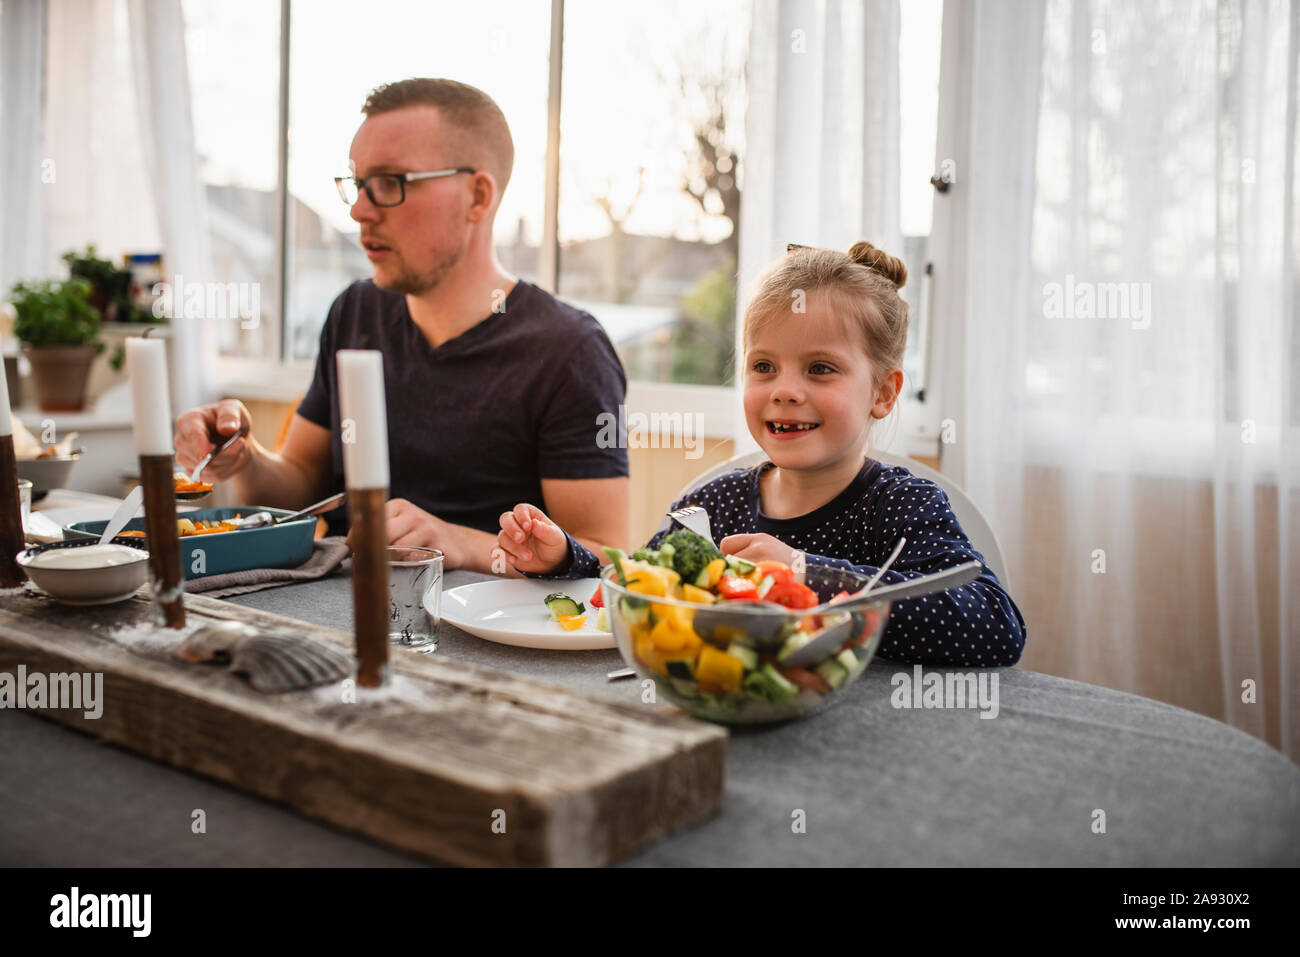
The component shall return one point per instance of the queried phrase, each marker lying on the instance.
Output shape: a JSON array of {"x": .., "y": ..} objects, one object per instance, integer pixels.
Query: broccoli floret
[
  {"x": 655, "y": 556},
  {"x": 690, "y": 552}
]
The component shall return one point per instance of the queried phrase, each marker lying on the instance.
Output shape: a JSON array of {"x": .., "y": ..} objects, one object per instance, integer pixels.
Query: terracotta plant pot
[{"x": 59, "y": 374}]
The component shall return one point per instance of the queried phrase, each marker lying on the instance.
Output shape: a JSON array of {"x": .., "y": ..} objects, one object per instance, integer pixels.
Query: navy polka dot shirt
[{"x": 974, "y": 625}]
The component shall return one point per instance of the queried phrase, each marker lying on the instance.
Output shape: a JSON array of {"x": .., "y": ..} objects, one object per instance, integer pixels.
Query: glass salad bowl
[{"x": 735, "y": 662}]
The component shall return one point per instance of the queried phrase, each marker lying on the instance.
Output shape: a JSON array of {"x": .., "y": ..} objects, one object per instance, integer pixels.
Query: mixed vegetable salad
[{"x": 727, "y": 660}]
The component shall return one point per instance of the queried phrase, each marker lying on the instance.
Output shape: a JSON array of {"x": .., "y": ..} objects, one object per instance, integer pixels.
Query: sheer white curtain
[
  {"x": 162, "y": 93},
  {"x": 120, "y": 139},
  {"x": 22, "y": 170},
  {"x": 823, "y": 115},
  {"x": 1116, "y": 269}
]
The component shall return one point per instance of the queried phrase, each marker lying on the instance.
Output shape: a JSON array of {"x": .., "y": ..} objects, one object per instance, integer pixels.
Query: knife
[{"x": 123, "y": 514}]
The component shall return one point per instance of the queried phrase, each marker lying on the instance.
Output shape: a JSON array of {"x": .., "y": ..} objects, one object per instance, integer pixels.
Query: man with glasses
[{"x": 495, "y": 388}]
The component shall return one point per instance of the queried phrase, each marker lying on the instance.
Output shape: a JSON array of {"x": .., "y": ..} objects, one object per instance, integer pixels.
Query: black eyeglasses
[{"x": 388, "y": 189}]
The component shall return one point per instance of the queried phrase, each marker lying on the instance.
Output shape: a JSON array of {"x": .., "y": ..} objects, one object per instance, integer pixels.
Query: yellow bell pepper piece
[
  {"x": 719, "y": 668},
  {"x": 650, "y": 657},
  {"x": 646, "y": 579},
  {"x": 668, "y": 637},
  {"x": 700, "y": 595},
  {"x": 644, "y": 583},
  {"x": 714, "y": 570},
  {"x": 680, "y": 617},
  {"x": 572, "y": 622}
]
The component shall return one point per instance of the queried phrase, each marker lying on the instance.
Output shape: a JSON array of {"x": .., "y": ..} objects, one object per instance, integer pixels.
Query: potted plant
[
  {"x": 110, "y": 287},
  {"x": 59, "y": 330}
]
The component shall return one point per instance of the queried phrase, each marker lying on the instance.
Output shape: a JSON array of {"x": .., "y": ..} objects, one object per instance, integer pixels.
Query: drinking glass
[{"x": 414, "y": 596}]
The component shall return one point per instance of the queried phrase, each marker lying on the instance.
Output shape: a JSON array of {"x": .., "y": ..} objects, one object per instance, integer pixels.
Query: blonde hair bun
[{"x": 877, "y": 260}]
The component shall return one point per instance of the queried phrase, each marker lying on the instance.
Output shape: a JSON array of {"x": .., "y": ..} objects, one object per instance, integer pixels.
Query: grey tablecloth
[{"x": 871, "y": 784}]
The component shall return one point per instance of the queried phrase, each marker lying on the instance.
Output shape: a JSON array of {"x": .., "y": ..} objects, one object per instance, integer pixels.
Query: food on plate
[
  {"x": 88, "y": 556},
  {"x": 732, "y": 663},
  {"x": 185, "y": 526},
  {"x": 568, "y": 612},
  {"x": 183, "y": 483},
  {"x": 561, "y": 605}
]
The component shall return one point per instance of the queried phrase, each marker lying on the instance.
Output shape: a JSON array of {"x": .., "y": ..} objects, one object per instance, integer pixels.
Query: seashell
[
  {"x": 215, "y": 642},
  {"x": 279, "y": 661},
  {"x": 273, "y": 661}
]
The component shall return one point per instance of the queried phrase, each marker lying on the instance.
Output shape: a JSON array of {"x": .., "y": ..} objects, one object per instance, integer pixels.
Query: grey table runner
[{"x": 863, "y": 783}]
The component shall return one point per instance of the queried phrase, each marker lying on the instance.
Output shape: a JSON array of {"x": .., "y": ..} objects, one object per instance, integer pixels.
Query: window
[
  {"x": 338, "y": 55},
  {"x": 233, "y": 50},
  {"x": 918, "y": 59},
  {"x": 650, "y": 186}
]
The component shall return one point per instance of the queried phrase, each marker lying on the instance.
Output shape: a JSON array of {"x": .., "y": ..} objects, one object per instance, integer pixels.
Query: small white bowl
[{"x": 87, "y": 586}]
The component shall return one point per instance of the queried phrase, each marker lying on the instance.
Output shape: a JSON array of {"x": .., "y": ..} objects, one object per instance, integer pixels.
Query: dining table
[{"x": 1063, "y": 774}]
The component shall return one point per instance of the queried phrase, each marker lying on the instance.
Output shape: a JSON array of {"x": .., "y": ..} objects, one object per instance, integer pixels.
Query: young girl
[{"x": 823, "y": 341}]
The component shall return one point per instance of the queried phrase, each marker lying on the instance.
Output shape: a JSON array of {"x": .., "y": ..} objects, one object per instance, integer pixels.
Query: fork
[
  {"x": 203, "y": 462},
  {"x": 696, "y": 519}
]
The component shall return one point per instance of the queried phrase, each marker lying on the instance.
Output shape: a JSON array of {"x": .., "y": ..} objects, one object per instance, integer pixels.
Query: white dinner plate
[{"x": 513, "y": 612}]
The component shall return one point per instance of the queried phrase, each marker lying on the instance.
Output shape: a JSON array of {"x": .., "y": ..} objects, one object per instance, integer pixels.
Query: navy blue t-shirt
[
  {"x": 475, "y": 424},
  {"x": 974, "y": 625}
]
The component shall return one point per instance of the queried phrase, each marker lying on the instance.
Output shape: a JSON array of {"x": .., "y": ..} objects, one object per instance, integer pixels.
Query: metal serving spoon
[
  {"x": 827, "y": 639},
  {"x": 260, "y": 519}
]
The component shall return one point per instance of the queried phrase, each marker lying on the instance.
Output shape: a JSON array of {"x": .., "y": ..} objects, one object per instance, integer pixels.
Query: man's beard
[{"x": 410, "y": 283}]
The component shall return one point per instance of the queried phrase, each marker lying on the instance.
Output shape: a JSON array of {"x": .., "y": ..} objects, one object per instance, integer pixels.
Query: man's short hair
[{"x": 485, "y": 136}]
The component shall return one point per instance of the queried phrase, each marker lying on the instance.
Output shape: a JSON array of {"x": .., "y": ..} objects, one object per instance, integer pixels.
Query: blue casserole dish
[{"x": 272, "y": 546}]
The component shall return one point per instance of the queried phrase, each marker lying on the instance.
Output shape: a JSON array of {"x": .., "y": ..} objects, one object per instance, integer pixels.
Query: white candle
[
  {"x": 6, "y": 420},
  {"x": 363, "y": 417},
  {"x": 146, "y": 365}
]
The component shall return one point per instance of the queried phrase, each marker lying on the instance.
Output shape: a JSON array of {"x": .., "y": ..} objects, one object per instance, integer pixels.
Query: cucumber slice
[
  {"x": 782, "y": 688},
  {"x": 849, "y": 661},
  {"x": 747, "y": 655},
  {"x": 687, "y": 688},
  {"x": 834, "y": 673},
  {"x": 740, "y": 566},
  {"x": 765, "y": 585},
  {"x": 602, "y": 620},
  {"x": 636, "y": 611},
  {"x": 793, "y": 644},
  {"x": 682, "y": 668},
  {"x": 561, "y": 605}
]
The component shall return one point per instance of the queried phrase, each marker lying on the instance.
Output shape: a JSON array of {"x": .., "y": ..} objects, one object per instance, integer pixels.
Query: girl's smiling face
[{"x": 809, "y": 398}]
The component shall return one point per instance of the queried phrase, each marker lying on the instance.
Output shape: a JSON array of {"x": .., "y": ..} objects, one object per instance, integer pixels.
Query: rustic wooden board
[{"x": 425, "y": 765}]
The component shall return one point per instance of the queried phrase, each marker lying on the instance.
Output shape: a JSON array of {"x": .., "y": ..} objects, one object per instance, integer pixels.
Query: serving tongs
[{"x": 263, "y": 519}]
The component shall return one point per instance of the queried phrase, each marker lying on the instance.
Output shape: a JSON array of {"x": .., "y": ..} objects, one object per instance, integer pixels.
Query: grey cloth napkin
[{"x": 327, "y": 554}]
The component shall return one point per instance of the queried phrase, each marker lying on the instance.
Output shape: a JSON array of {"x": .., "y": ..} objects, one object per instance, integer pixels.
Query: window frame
[{"x": 241, "y": 374}]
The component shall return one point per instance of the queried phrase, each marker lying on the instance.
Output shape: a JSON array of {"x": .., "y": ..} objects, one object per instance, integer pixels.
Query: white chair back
[{"x": 971, "y": 519}]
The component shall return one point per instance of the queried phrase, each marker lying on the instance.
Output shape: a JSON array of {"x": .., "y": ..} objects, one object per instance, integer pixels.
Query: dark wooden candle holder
[
  {"x": 369, "y": 532},
  {"x": 163, "y": 538},
  {"x": 11, "y": 517}
]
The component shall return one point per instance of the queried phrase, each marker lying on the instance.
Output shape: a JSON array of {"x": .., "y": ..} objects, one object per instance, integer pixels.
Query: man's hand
[
  {"x": 531, "y": 542},
  {"x": 195, "y": 430},
  {"x": 758, "y": 548},
  {"x": 408, "y": 524}
]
